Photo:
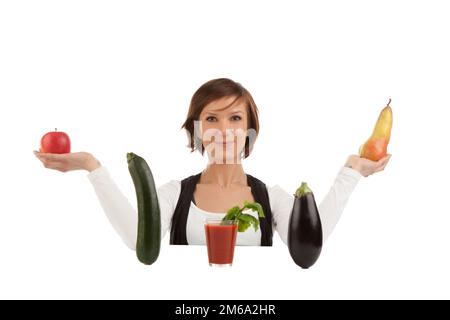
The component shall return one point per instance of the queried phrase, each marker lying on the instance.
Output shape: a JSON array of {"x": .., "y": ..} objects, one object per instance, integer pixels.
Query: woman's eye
[
  {"x": 236, "y": 118},
  {"x": 211, "y": 119}
]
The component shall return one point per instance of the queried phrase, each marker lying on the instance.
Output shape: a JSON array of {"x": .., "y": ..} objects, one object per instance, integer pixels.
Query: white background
[{"x": 118, "y": 76}]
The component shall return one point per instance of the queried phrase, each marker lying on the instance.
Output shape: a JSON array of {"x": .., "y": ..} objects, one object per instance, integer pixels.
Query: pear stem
[{"x": 388, "y": 102}]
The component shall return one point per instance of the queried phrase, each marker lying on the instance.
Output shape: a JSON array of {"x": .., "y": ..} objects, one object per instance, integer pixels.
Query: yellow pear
[{"x": 375, "y": 147}]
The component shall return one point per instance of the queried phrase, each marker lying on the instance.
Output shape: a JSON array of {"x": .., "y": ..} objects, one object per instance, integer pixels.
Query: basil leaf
[
  {"x": 255, "y": 207},
  {"x": 249, "y": 219},
  {"x": 232, "y": 213},
  {"x": 245, "y": 220},
  {"x": 243, "y": 225}
]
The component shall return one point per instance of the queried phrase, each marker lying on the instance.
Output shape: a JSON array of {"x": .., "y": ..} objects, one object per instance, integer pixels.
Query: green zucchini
[{"x": 148, "y": 241}]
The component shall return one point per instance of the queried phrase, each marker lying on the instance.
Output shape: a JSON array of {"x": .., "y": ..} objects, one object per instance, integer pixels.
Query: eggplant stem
[{"x": 302, "y": 190}]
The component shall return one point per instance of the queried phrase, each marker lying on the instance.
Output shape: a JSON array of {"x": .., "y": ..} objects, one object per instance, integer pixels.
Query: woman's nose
[
  {"x": 225, "y": 130},
  {"x": 222, "y": 128}
]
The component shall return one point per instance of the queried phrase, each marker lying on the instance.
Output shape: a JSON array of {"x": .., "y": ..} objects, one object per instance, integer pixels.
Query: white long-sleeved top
[{"x": 124, "y": 217}]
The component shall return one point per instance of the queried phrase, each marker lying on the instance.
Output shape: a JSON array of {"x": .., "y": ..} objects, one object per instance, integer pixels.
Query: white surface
[{"x": 118, "y": 77}]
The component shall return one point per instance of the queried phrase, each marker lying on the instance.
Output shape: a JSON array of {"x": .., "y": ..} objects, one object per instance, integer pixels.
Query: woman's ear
[{"x": 250, "y": 142}]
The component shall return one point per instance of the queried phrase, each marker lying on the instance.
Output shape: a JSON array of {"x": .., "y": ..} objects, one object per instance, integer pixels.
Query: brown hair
[{"x": 213, "y": 90}]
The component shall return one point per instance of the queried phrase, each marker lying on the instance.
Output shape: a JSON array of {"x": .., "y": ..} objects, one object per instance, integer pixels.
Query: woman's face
[{"x": 223, "y": 129}]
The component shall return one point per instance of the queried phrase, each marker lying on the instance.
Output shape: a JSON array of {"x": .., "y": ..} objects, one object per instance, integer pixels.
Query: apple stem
[{"x": 389, "y": 102}]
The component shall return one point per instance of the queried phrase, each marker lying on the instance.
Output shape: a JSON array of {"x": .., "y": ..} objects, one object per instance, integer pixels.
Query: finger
[
  {"x": 378, "y": 170},
  {"x": 49, "y": 163},
  {"x": 37, "y": 153},
  {"x": 53, "y": 165},
  {"x": 383, "y": 161},
  {"x": 42, "y": 159},
  {"x": 52, "y": 156},
  {"x": 381, "y": 168},
  {"x": 387, "y": 161},
  {"x": 60, "y": 167}
]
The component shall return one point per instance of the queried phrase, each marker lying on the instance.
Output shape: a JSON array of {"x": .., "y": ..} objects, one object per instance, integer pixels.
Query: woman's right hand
[{"x": 68, "y": 161}]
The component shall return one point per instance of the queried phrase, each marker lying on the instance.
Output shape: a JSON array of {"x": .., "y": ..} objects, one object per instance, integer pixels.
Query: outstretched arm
[
  {"x": 334, "y": 202},
  {"x": 121, "y": 214}
]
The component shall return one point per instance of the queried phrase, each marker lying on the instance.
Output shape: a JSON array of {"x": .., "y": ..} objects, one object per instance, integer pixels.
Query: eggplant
[{"x": 305, "y": 228}]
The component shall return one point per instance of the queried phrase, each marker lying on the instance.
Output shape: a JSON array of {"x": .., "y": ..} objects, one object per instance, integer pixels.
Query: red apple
[{"x": 55, "y": 142}]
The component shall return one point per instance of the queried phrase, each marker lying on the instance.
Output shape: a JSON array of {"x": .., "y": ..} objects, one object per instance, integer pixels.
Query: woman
[{"x": 223, "y": 120}]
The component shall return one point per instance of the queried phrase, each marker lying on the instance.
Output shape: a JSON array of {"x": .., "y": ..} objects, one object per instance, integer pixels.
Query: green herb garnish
[{"x": 244, "y": 220}]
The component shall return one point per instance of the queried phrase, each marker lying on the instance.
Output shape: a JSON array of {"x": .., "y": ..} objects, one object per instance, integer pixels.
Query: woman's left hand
[{"x": 365, "y": 166}]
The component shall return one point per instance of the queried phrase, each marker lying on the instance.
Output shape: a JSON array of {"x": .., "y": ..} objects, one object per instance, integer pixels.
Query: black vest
[{"x": 179, "y": 219}]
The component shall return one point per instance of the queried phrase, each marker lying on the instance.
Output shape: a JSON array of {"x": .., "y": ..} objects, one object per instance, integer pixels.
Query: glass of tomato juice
[{"x": 220, "y": 241}]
